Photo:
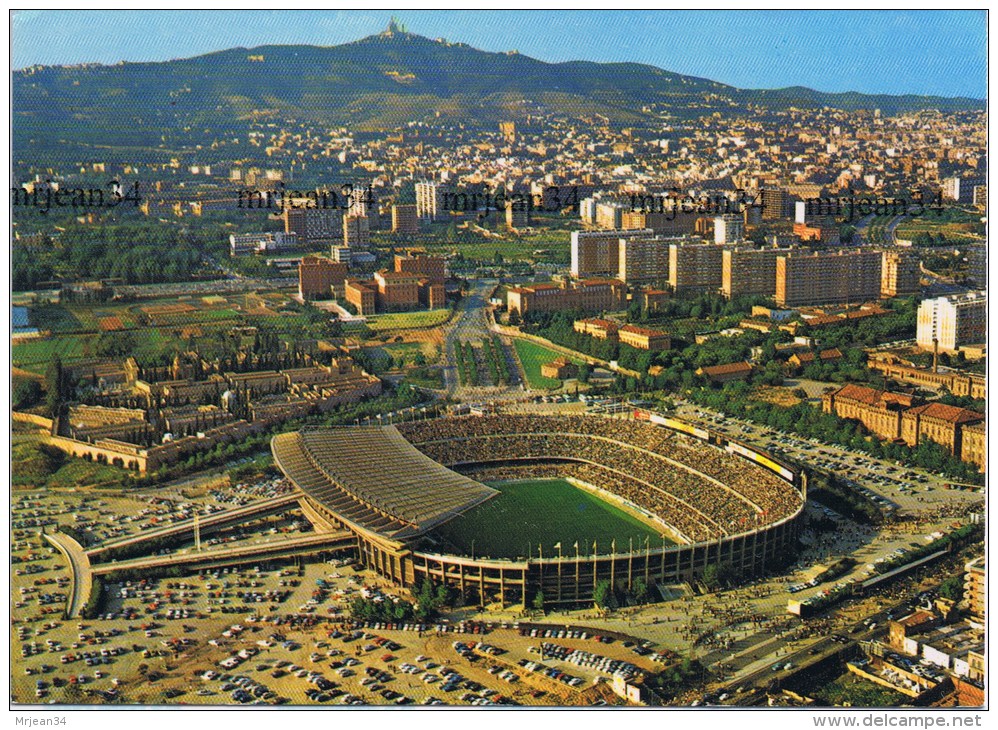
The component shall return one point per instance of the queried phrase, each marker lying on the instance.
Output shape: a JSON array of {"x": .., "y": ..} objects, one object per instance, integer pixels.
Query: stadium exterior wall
[{"x": 570, "y": 580}]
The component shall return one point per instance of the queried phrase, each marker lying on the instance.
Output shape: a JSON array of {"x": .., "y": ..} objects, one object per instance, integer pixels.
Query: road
[
  {"x": 473, "y": 325},
  {"x": 871, "y": 626},
  {"x": 237, "y": 553},
  {"x": 79, "y": 567},
  {"x": 208, "y": 521},
  {"x": 890, "y": 233}
]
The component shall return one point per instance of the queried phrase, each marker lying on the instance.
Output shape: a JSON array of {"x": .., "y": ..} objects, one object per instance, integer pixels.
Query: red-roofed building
[
  {"x": 727, "y": 372},
  {"x": 899, "y": 416},
  {"x": 643, "y": 338},
  {"x": 879, "y": 410},
  {"x": 592, "y": 295},
  {"x": 601, "y": 329},
  {"x": 948, "y": 426},
  {"x": 803, "y": 359},
  {"x": 561, "y": 368}
]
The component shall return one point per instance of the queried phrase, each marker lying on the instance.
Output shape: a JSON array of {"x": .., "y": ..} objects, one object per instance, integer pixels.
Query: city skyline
[{"x": 743, "y": 49}]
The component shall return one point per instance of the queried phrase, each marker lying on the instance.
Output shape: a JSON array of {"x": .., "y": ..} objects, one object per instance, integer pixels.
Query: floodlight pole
[
  {"x": 559, "y": 572},
  {"x": 576, "y": 571}
]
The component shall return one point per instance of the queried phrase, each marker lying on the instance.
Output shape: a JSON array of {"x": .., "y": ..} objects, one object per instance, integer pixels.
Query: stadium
[{"x": 505, "y": 507}]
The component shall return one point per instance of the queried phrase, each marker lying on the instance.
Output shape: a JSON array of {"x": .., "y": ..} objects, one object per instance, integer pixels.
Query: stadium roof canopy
[{"x": 373, "y": 477}]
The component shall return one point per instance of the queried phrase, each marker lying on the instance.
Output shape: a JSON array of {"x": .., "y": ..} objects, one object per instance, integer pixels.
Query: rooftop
[{"x": 951, "y": 414}]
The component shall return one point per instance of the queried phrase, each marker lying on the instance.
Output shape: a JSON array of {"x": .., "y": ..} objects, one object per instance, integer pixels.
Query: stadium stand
[
  {"x": 373, "y": 477},
  {"x": 648, "y": 466}
]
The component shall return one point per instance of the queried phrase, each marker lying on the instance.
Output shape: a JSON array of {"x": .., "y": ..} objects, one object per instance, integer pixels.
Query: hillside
[{"x": 379, "y": 82}]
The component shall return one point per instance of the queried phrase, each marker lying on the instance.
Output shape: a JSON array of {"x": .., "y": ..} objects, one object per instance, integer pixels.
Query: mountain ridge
[{"x": 384, "y": 81}]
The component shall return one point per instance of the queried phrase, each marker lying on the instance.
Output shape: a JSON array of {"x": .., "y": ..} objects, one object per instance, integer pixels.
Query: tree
[
  {"x": 54, "y": 385},
  {"x": 952, "y": 588},
  {"x": 640, "y": 592},
  {"x": 27, "y": 393},
  {"x": 538, "y": 602},
  {"x": 114, "y": 344},
  {"x": 716, "y": 575},
  {"x": 514, "y": 318},
  {"x": 604, "y": 596}
]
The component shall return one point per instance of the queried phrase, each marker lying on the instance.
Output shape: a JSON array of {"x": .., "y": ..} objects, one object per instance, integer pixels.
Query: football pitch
[{"x": 529, "y": 514}]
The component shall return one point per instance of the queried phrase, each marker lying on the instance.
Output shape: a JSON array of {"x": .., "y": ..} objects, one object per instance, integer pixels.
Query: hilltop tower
[{"x": 394, "y": 28}]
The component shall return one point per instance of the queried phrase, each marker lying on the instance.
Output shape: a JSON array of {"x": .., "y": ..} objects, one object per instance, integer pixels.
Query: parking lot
[{"x": 266, "y": 635}]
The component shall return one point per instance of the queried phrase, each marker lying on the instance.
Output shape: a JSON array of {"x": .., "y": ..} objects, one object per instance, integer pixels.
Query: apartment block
[
  {"x": 517, "y": 215},
  {"x": 977, "y": 264},
  {"x": 953, "y": 321},
  {"x": 899, "y": 273},
  {"x": 776, "y": 203},
  {"x": 839, "y": 277},
  {"x": 695, "y": 267},
  {"x": 975, "y": 586},
  {"x": 356, "y": 231},
  {"x": 314, "y": 225},
  {"x": 748, "y": 271},
  {"x": 405, "y": 220},
  {"x": 430, "y": 201},
  {"x": 642, "y": 259},
  {"x": 728, "y": 229},
  {"x": 609, "y": 215},
  {"x": 596, "y": 253}
]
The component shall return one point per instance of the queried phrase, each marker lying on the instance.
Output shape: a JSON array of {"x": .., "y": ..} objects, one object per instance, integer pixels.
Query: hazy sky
[{"x": 897, "y": 52}]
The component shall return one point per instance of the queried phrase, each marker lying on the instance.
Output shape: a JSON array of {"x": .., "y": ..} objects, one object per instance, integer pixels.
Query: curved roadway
[{"x": 79, "y": 565}]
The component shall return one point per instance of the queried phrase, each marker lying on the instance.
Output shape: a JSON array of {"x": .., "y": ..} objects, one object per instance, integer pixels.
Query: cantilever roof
[{"x": 375, "y": 478}]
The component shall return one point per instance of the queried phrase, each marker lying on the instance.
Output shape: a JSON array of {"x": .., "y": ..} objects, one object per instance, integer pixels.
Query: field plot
[
  {"x": 402, "y": 320},
  {"x": 953, "y": 225},
  {"x": 57, "y": 318},
  {"x": 546, "y": 511},
  {"x": 532, "y": 357},
  {"x": 35, "y": 355},
  {"x": 111, "y": 324}
]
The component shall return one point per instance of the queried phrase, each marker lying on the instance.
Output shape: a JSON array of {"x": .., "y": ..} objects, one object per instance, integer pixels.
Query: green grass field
[
  {"x": 532, "y": 356},
  {"x": 404, "y": 320},
  {"x": 544, "y": 511},
  {"x": 35, "y": 355}
]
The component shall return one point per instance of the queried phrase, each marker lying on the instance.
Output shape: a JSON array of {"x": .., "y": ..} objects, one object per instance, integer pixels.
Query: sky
[{"x": 892, "y": 52}]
